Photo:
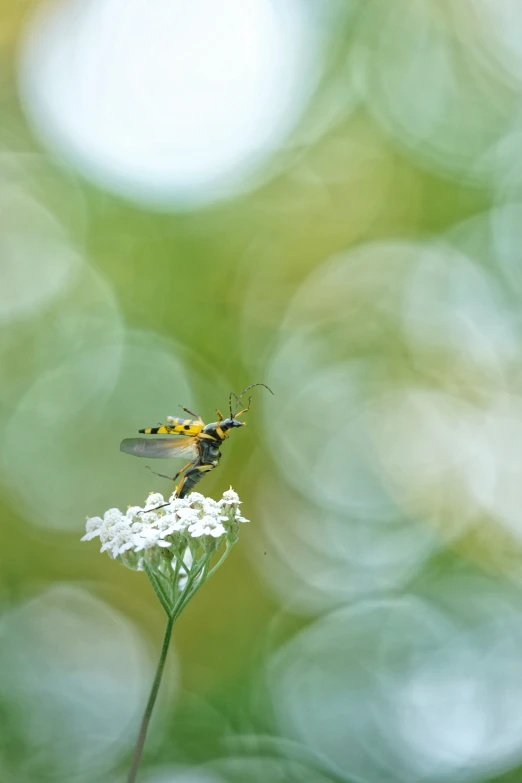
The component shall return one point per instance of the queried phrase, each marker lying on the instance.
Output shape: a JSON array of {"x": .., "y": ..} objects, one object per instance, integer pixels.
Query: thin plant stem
[
  {"x": 200, "y": 570},
  {"x": 158, "y": 588},
  {"x": 186, "y": 597},
  {"x": 150, "y": 704},
  {"x": 175, "y": 580},
  {"x": 223, "y": 557}
]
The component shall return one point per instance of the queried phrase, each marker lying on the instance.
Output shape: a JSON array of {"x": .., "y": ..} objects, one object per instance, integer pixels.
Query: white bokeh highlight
[
  {"x": 173, "y": 104},
  {"x": 38, "y": 258},
  {"x": 80, "y": 412},
  {"x": 397, "y": 370},
  {"x": 406, "y": 689},
  {"x": 320, "y": 559},
  {"x": 449, "y": 101},
  {"x": 78, "y": 672}
]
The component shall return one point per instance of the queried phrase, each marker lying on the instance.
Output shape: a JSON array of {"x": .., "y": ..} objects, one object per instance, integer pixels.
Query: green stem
[
  {"x": 201, "y": 570},
  {"x": 222, "y": 558},
  {"x": 158, "y": 589},
  {"x": 150, "y": 704},
  {"x": 175, "y": 580},
  {"x": 167, "y": 586},
  {"x": 187, "y": 595},
  {"x": 204, "y": 576}
]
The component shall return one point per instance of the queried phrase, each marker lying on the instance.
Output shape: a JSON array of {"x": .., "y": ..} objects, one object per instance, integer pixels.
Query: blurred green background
[{"x": 326, "y": 198}]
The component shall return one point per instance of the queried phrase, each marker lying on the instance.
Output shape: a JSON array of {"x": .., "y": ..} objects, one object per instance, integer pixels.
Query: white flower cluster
[{"x": 161, "y": 534}]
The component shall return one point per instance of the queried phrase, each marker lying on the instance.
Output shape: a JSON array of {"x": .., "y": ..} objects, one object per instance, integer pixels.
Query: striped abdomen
[{"x": 176, "y": 427}]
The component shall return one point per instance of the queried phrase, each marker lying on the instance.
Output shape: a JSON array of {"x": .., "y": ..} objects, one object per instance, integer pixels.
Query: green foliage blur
[{"x": 367, "y": 626}]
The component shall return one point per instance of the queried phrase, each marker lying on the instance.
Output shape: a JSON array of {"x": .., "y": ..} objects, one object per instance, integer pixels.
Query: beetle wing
[{"x": 161, "y": 448}]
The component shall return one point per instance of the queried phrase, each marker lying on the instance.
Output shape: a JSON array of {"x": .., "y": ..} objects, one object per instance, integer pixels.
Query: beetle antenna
[
  {"x": 238, "y": 399},
  {"x": 230, "y": 404}
]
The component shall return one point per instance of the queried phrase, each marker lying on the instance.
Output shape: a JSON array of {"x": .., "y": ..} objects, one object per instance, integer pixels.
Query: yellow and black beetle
[{"x": 194, "y": 439}]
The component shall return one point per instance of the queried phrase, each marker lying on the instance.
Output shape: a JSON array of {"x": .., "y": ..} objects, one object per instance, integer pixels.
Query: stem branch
[
  {"x": 196, "y": 577},
  {"x": 189, "y": 593},
  {"x": 228, "y": 548},
  {"x": 158, "y": 588}
]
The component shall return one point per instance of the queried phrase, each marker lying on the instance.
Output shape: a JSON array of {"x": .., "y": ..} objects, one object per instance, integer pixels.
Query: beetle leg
[
  {"x": 245, "y": 410},
  {"x": 171, "y": 478},
  {"x": 191, "y": 413}
]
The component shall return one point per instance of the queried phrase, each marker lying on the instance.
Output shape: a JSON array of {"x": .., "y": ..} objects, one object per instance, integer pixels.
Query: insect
[{"x": 194, "y": 439}]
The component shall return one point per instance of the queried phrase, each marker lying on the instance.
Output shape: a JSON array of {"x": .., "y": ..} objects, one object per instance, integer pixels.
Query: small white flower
[
  {"x": 167, "y": 524},
  {"x": 114, "y": 532},
  {"x": 197, "y": 529},
  {"x": 111, "y": 516},
  {"x": 155, "y": 530},
  {"x": 186, "y": 515},
  {"x": 148, "y": 538},
  {"x": 149, "y": 517},
  {"x": 230, "y": 497},
  {"x": 154, "y": 499},
  {"x": 207, "y": 526},
  {"x": 93, "y": 527},
  {"x": 196, "y": 497}
]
